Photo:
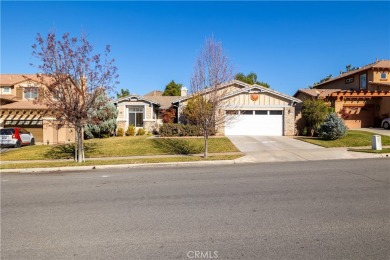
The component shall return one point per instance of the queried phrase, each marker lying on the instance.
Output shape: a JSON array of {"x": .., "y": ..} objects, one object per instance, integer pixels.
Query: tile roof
[
  {"x": 164, "y": 101},
  {"x": 154, "y": 93},
  {"x": 7, "y": 96},
  {"x": 321, "y": 93},
  {"x": 382, "y": 64},
  {"x": 24, "y": 105},
  {"x": 12, "y": 79}
]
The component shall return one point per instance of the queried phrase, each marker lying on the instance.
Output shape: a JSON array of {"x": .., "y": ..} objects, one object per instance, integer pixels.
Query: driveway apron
[{"x": 284, "y": 148}]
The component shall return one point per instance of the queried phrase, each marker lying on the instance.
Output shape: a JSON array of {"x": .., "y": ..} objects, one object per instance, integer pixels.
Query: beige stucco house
[
  {"x": 360, "y": 96},
  {"x": 18, "y": 96},
  {"x": 256, "y": 110}
]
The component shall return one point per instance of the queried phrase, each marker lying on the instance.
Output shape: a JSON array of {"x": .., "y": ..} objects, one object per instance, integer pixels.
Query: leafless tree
[
  {"x": 212, "y": 69},
  {"x": 74, "y": 77}
]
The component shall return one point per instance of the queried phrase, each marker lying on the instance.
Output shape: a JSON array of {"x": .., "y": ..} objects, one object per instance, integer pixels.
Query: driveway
[
  {"x": 284, "y": 149},
  {"x": 376, "y": 130}
]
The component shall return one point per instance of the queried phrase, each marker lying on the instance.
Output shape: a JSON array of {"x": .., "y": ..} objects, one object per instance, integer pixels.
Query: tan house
[
  {"x": 144, "y": 111},
  {"x": 18, "y": 95},
  {"x": 361, "y": 96}
]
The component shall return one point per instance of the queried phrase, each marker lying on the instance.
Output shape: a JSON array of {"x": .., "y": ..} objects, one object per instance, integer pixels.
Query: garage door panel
[{"x": 271, "y": 125}]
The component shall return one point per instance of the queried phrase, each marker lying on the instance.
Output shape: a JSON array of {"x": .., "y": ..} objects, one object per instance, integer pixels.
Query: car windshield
[{"x": 6, "y": 131}]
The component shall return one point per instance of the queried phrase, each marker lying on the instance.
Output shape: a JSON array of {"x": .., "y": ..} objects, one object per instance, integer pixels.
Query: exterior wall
[
  {"x": 384, "y": 107},
  {"x": 264, "y": 100},
  {"x": 55, "y": 134},
  {"x": 150, "y": 117},
  {"x": 289, "y": 121}
]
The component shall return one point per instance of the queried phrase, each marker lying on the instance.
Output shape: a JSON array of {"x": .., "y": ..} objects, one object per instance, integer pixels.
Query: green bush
[
  {"x": 130, "y": 131},
  {"x": 333, "y": 128},
  {"x": 120, "y": 132},
  {"x": 141, "y": 131},
  {"x": 171, "y": 129}
]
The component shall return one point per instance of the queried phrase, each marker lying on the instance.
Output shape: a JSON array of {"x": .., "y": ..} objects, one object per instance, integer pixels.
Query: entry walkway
[{"x": 283, "y": 148}]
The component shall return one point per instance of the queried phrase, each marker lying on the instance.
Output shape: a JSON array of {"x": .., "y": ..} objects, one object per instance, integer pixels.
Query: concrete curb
[{"x": 119, "y": 166}]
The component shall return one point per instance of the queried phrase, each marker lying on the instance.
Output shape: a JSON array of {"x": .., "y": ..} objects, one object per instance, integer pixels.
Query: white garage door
[{"x": 254, "y": 122}]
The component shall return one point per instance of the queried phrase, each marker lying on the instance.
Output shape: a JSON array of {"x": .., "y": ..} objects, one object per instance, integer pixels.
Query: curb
[{"x": 119, "y": 166}]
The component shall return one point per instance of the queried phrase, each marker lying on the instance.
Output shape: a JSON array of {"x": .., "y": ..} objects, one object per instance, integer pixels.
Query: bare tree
[
  {"x": 74, "y": 77},
  {"x": 211, "y": 70}
]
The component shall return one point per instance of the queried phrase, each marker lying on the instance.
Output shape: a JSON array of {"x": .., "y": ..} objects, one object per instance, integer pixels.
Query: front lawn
[
  {"x": 122, "y": 147},
  {"x": 353, "y": 139}
]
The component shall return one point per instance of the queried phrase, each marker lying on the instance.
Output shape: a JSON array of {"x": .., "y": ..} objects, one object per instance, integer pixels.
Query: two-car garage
[{"x": 254, "y": 122}]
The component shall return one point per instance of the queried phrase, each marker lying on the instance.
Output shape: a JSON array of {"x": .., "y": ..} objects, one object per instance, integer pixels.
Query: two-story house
[
  {"x": 360, "y": 96},
  {"x": 18, "y": 96}
]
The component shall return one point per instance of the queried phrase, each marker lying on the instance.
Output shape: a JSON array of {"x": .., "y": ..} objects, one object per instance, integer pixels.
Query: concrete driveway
[{"x": 284, "y": 148}]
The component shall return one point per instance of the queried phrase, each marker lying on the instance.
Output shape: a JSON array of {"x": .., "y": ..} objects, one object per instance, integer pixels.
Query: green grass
[
  {"x": 353, "y": 139},
  {"x": 384, "y": 150},
  {"x": 122, "y": 146},
  {"x": 115, "y": 162}
]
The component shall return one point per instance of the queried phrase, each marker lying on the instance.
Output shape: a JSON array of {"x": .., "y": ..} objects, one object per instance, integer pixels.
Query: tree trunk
[
  {"x": 206, "y": 144},
  {"x": 79, "y": 145}
]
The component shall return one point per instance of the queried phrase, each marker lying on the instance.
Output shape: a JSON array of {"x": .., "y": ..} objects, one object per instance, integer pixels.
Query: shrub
[
  {"x": 333, "y": 128},
  {"x": 314, "y": 111},
  {"x": 179, "y": 130},
  {"x": 141, "y": 131},
  {"x": 120, "y": 132},
  {"x": 130, "y": 131}
]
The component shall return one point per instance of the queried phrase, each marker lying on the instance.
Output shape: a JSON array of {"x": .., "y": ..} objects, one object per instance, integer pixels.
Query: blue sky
[{"x": 290, "y": 45}]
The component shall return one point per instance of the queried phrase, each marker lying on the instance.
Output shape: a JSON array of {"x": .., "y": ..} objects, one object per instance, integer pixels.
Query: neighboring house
[
  {"x": 255, "y": 110},
  {"x": 18, "y": 96},
  {"x": 144, "y": 111},
  {"x": 361, "y": 96}
]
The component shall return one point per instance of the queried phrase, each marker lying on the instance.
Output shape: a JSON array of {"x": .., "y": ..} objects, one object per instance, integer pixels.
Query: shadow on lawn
[
  {"x": 66, "y": 151},
  {"x": 176, "y": 146}
]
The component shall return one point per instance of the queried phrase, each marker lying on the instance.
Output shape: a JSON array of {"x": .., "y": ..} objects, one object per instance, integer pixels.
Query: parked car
[
  {"x": 386, "y": 123},
  {"x": 15, "y": 137}
]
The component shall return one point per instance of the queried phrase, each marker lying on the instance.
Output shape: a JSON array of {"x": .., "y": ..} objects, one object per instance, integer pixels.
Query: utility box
[{"x": 376, "y": 142}]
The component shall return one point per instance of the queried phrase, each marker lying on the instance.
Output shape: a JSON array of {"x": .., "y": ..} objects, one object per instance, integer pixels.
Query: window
[
  {"x": 383, "y": 75},
  {"x": 231, "y": 112},
  {"x": 6, "y": 90},
  {"x": 246, "y": 112},
  {"x": 363, "y": 81},
  {"x": 349, "y": 80},
  {"x": 31, "y": 93},
  {"x": 136, "y": 116},
  {"x": 261, "y": 112},
  {"x": 276, "y": 112}
]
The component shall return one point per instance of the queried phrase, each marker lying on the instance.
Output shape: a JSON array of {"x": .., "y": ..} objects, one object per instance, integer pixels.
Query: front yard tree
[
  {"x": 314, "y": 111},
  {"x": 250, "y": 79},
  {"x": 101, "y": 118},
  {"x": 172, "y": 89},
  {"x": 123, "y": 93},
  {"x": 211, "y": 70},
  {"x": 77, "y": 76}
]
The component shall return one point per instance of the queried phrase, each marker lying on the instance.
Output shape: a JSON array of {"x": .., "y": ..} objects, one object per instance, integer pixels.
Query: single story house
[
  {"x": 18, "y": 93},
  {"x": 257, "y": 110},
  {"x": 360, "y": 96}
]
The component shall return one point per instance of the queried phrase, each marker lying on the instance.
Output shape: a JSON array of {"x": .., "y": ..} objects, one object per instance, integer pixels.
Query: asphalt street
[{"x": 294, "y": 210}]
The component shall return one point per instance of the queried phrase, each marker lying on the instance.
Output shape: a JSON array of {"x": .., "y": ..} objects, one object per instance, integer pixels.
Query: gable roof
[
  {"x": 382, "y": 64},
  {"x": 154, "y": 93},
  {"x": 244, "y": 88},
  {"x": 13, "y": 79},
  {"x": 320, "y": 93},
  {"x": 163, "y": 102}
]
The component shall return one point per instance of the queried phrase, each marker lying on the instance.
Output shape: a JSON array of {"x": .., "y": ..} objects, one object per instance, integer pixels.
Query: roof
[
  {"x": 13, "y": 79},
  {"x": 382, "y": 64},
  {"x": 154, "y": 93},
  {"x": 8, "y": 97},
  {"x": 163, "y": 102},
  {"x": 24, "y": 105},
  {"x": 387, "y": 84},
  {"x": 245, "y": 88},
  {"x": 321, "y": 93}
]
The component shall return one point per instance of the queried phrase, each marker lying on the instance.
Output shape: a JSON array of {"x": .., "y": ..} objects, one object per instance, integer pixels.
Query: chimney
[{"x": 183, "y": 91}]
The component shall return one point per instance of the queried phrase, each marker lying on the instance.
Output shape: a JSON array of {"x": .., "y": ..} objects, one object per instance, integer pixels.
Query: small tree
[
  {"x": 168, "y": 115},
  {"x": 314, "y": 111},
  {"x": 123, "y": 93},
  {"x": 172, "y": 89},
  {"x": 130, "y": 130},
  {"x": 333, "y": 128},
  {"x": 211, "y": 69},
  {"x": 102, "y": 120},
  {"x": 74, "y": 77}
]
